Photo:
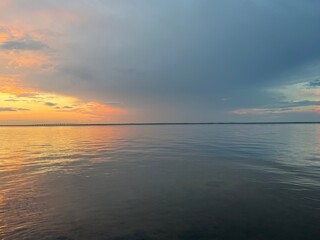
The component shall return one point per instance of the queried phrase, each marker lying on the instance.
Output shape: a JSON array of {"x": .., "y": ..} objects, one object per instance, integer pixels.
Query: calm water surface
[{"x": 160, "y": 182}]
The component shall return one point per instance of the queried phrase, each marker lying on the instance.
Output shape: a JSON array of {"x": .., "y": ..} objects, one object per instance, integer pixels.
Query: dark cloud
[
  {"x": 112, "y": 103},
  {"x": 23, "y": 44},
  {"x": 314, "y": 83},
  {"x": 9, "y": 109},
  {"x": 292, "y": 104},
  {"x": 280, "y": 108},
  {"x": 300, "y": 103},
  {"x": 50, "y": 104},
  {"x": 67, "y": 107},
  {"x": 177, "y": 60}
]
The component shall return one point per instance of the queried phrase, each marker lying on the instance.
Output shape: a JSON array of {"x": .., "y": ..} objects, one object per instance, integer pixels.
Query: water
[{"x": 160, "y": 182}]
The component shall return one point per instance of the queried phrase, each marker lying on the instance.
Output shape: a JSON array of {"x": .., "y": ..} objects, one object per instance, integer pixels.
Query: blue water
[{"x": 160, "y": 182}]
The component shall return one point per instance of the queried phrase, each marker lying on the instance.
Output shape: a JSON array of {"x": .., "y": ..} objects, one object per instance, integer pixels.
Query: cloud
[
  {"x": 23, "y": 44},
  {"x": 32, "y": 100},
  {"x": 271, "y": 111},
  {"x": 9, "y": 109},
  {"x": 299, "y": 103},
  {"x": 27, "y": 95},
  {"x": 189, "y": 57},
  {"x": 11, "y": 84},
  {"x": 67, "y": 107},
  {"x": 171, "y": 60},
  {"x": 50, "y": 104},
  {"x": 281, "y": 107},
  {"x": 314, "y": 83}
]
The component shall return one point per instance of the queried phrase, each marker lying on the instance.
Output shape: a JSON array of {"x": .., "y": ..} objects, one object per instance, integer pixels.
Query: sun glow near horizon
[
  {"x": 29, "y": 52},
  {"x": 120, "y": 61},
  {"x": 21, "y": 104},
  {"x": 22, "y": 56}
]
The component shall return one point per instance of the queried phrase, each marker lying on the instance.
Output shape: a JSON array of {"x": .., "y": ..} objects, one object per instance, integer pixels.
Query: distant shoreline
[{"x": 147, "y": 124}]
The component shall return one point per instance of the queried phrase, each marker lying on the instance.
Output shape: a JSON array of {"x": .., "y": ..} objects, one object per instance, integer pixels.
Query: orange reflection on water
[
  {"x": 33, "y": 150},
  {"x": 30, "y": 157}
]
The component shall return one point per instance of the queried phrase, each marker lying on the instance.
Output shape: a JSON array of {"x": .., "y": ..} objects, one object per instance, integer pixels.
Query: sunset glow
[
  {"x": 109, "y": 61},
  {"x": 163, "y": 119},
  {"x": 26, "y": 52},
  {"x": 30, "y": 105}
]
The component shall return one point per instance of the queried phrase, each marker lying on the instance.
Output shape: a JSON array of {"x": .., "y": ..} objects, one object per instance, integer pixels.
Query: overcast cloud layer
[{"x": 181, "y": 60}]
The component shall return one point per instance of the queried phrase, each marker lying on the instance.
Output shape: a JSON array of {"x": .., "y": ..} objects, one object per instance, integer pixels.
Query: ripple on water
[{"x": 160, "y": 182}]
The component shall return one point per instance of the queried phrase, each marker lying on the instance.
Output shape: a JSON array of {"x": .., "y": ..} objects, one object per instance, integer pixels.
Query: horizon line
[{"x": 152, "y": 123}]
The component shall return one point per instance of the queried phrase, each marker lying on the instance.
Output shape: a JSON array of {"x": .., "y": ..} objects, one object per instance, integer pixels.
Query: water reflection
[{"x": 160, "y": 182}]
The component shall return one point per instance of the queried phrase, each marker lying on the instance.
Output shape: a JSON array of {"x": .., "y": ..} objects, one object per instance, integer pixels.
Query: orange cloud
[
  {"x": 15, "y": 98},
  {"x": 11, "y": 85},
  {"x": 7, "y": 34},
  {"x": 24, "y": 59},
  {"x": 99, "y": 109},
  {"x": 16, "y": 58},
  {"x": 22, "y": 62},
  {"x": 3, "y": 37}
]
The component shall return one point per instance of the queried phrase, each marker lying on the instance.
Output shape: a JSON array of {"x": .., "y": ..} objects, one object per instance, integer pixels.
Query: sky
[{"x": 118, "y": 61}]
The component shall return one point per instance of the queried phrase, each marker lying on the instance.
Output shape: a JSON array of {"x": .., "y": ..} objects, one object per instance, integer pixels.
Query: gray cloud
[
  {"x": 67, "y": 107},
  {"x": 9, "y": 109},
  {"x": 280, "y": 108},
  {"x": 299, "y": 103},
  {"x": 23, "y": 44},
  {"x": 314, "y": 83},
  {"x": 176, "y": 60},
  {"x": 50, "y": 104}
]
